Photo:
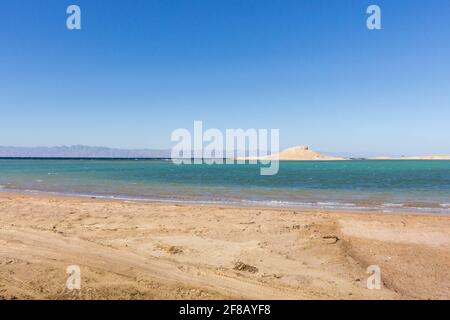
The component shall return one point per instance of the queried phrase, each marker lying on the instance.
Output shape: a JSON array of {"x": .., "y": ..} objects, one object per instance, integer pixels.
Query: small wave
[
  {"x": 309, "y": 205},
  {"x": 347, "y": 205},
  {"x": 420, "y": 205},
  {"x": 392, "y": 205},
  {"x": 336, "y": 204},
  {"x": 276, "y": 203}
]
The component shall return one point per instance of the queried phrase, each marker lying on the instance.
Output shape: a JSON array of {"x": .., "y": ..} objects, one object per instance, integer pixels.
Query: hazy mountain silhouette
[{"x": 80, "y": 151}]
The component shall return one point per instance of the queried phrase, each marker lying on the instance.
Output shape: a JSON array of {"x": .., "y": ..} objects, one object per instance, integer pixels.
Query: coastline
[
  {"x": 439, "y": 209},
  {"x": 154, "y": 250},
  {"x": 389, "y": 186}
]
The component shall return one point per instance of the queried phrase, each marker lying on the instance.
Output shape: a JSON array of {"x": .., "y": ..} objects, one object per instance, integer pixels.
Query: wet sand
[{"x": 145, "y": 250}]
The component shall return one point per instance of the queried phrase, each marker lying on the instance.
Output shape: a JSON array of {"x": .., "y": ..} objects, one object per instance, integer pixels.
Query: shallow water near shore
[{"x": 379, "y": 185}]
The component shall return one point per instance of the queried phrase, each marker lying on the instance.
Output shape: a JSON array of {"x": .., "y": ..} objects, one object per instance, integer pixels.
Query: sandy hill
[{"x": 300, "y": 153}]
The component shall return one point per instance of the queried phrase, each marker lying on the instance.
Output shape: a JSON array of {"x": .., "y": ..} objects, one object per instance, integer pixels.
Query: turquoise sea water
[{"x": 371, "y": 185}]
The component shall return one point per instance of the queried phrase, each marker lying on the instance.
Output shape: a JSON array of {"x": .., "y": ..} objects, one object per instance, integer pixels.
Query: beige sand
[{"x": 141, "y": 250}]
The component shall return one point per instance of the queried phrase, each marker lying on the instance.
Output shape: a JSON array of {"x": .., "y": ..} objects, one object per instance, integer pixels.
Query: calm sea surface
[{"x": 370, "y": 185}]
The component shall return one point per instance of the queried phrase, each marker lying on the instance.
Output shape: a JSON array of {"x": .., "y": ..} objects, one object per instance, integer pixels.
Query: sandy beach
[{"x": 145, "y": 250}]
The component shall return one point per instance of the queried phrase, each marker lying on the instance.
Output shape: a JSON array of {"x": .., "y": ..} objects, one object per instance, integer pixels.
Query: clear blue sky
[{"x": 140, "y": 69}]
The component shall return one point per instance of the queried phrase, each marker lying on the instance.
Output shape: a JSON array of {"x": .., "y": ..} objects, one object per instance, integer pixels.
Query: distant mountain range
[{"x": 80, "y": 151}]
